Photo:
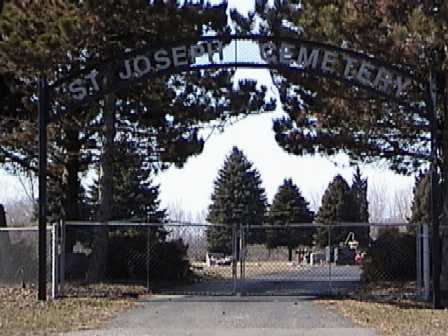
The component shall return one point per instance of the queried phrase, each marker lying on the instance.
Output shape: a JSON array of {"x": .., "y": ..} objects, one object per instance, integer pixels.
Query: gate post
[
  {"x": 426, "y": 265},
  {"x": 242, "y": 252},
  {"x": 235, "y": 243},
  {"x": 55, "y": 264},
  {"x": 419, "y": 258},
  {"x": 62, "y": 257}
]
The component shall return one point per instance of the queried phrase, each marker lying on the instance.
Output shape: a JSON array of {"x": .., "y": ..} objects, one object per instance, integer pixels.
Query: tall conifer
[
  {"x": 289, "y": 207},
  {"x": 238, "y": 198}
]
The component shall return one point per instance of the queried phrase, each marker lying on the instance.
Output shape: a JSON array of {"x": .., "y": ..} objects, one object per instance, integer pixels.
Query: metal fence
[
  {"x": 205, "y": 259},
  {"x": 19, "y": 256}
]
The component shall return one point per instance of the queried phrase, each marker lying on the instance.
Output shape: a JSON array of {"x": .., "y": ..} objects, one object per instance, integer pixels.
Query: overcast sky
[{"x": 191, "y": 186}]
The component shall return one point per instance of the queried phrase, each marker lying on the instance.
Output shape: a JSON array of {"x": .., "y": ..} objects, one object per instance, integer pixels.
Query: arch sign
[
  {"x": 67, "y": 94},
  {"x": 355, "y": 69}
]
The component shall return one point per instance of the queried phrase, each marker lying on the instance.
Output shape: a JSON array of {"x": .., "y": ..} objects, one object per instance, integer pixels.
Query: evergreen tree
[
  {"x": 338, "y": 205},
  {"x": 134, "y": 196},
  {"x": 238, "y": 198},
  {"x": 359, "y": 191},
  {"x": 421, "y": 203},
  {"x": 289, "y": 207}
]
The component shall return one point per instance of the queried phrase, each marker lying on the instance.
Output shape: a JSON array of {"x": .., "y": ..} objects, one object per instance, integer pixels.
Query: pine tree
[
  {"x": 338, "y": 205},
  {"x": 135, "y": 198},
  {"x": 359, "y": 191},
  {"x": 238, "y": 198},
  {"x": 420, "y": 208},
  {"x": 289, "y": 207}
]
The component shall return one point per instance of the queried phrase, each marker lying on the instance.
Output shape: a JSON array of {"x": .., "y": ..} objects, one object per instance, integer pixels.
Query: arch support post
[
  {"x": 435, "y": 195},
  {"x": 42, "y": 250}
]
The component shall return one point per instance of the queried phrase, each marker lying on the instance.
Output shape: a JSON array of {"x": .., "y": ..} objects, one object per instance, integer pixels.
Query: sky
[{"x": 190, "y": 188}]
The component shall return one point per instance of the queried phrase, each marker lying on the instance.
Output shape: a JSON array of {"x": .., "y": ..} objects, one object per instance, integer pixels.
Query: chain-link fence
[
  {"x": 169, "y": 258},
  {"x": 19, "y": 256},
  {"x": 338, "y": 259},
  {"x": 204, "y": 259}
]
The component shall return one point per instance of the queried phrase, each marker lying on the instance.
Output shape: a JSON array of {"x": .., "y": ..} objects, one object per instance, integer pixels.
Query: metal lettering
[
  {"x": 92, "y": 77},
  {"x": 350, "y": 62},
  {"x": 402, "y": 85},
  {"x": 142, "y": 65},
  {"x": 268, "y": 52},
  {"x": 365, "y": 73},
  {"x": 77, "y": 91},
  {"x": 306, "y": 60},
  {"x": 196, "y": 51},
  {"x": 285, "y": 53},
  {"x": 212, "y": 50},
  {"x": 180, "y": 56},
  {"x": 162, "y": 59},
  {"x": 128, "y": 74},
  {"x": 329, "y": 61},
  {"x": 382, "y": 80}
]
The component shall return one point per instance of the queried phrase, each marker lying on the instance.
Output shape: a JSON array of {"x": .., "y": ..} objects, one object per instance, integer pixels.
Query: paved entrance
[{"x": 229, "y": 316}]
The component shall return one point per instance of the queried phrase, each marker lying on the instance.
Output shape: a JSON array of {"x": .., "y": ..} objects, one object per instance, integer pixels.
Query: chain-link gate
[
  {"x": 338, "y": 259},
  {"x": 209, "y": 259},
  {"x": 290, "y": 263}
]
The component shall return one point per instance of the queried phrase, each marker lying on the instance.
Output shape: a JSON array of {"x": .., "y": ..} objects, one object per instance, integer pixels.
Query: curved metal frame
[{"x": 46, "y": 91}]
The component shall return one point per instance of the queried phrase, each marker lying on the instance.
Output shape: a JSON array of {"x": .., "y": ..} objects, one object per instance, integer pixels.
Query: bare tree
[
  {"x": 19, "y": 212},
  {"x": 28, "y": 183},
  {"x": 377, "y": 195},
  {"x": 388, "y": 203},
  {"x": 177, "y": 213},
  {"x": 400, "y": 207}
]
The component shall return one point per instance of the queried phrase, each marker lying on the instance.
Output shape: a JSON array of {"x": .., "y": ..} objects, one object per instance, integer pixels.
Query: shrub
[
  {"x": 129, "y": 257},
  {"x": 391, "y": 257},
  {"x": 169, "y": 262}
]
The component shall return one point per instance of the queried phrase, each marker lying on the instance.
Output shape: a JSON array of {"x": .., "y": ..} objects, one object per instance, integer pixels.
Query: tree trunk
[
  {"x": 289, "y": 253},
  {"x": 98, "y": 259},
  {"x": 71, "y": 183}
]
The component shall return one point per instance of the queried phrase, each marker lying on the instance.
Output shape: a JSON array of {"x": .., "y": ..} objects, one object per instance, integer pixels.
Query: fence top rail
[
  {"x": 262, "y": 226},
  {"x": 333, "y": 225},
  {"x": 22, "y": 228},
  {"x": 134, "y": 224}
]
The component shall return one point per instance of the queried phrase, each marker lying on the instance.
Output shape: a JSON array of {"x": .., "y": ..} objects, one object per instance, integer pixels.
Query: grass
[
  {"x": 394, "y": 320},
  {"x": 21, "y": 313},
  {"x": 391, "y": 313}
]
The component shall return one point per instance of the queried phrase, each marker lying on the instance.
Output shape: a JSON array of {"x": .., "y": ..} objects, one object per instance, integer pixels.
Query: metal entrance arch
[{"x": 97, "y": 79}]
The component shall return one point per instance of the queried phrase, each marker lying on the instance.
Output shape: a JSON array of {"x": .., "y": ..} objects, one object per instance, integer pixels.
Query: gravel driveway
[{"x": 228, "y": 316}]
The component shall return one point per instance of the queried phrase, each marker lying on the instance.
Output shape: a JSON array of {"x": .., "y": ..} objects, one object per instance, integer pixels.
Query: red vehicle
[{"x": 359, "y": 257}]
